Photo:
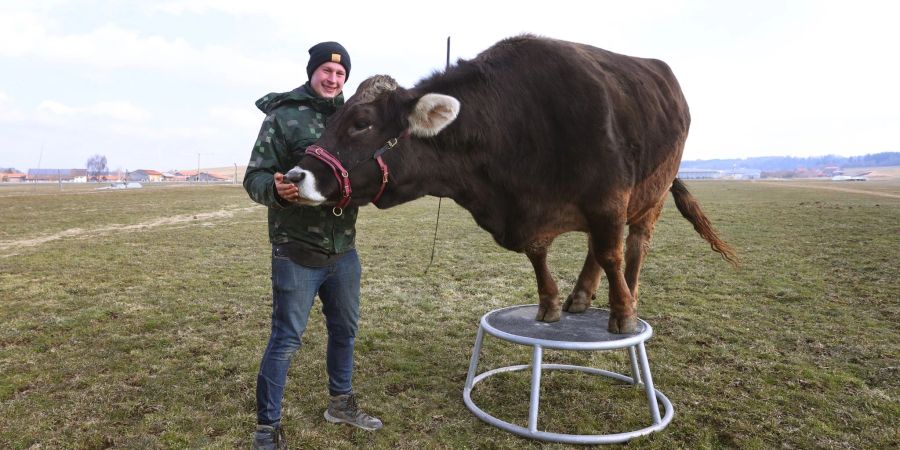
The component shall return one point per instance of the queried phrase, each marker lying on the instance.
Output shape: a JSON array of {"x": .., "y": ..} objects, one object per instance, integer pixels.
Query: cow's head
[{"x": 381, "y": 118}]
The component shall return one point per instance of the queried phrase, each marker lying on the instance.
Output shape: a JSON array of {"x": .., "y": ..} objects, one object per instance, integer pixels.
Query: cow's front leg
[
  {"x": 548, "y": 293},
  {"x": 586, "y": 286}
]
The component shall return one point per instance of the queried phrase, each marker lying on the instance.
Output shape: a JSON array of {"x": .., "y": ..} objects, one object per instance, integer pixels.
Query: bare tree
[{"x": 96, "y": 167}]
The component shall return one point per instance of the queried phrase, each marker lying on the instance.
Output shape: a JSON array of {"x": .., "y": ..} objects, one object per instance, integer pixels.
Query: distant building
[
  {"x": 714, "y": 174},
  {"x": 186, "y": 175},
  {"x": 207, "y": 177},
  {"x": 831, "y": 171},
  {"x": 191, "y": 175},
  {"x": 743, "y": 174},
  {"x": 14, "y": 177},
  {"x": 699, "y": 174},
  {"x": 68, "y": 175},
  {"x": 110, "y": 177},
  {"x": 144, "y": 175}
]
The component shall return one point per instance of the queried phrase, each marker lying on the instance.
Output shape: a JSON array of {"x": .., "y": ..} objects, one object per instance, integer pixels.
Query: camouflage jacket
[{"x": 294, "y": 120}]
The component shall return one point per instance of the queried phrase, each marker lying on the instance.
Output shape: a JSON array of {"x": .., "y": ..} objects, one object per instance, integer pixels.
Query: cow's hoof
[
  {"x": 622, "y": 325},
  {"x": 577, "y": 302},
  {"x": 545, "y": 314}
]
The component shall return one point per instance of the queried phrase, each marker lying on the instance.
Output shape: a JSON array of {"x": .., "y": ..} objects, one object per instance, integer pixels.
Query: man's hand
[{"x": 286, "y": 190}]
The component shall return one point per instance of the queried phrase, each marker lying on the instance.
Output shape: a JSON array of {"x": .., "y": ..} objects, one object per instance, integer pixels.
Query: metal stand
[{"x": 585, "y": 331}]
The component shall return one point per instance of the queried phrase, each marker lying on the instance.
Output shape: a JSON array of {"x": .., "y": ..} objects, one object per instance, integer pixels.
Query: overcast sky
[{"x": 159, "y": 85}]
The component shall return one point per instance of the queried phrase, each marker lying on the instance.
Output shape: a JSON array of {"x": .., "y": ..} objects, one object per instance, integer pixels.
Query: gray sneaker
[
  {"x": 269, "y": 437},
  {"x": 343, "y": 409}
]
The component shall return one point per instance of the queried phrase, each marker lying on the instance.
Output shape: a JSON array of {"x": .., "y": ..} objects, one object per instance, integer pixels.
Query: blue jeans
[{"x": 294, "y": 288}]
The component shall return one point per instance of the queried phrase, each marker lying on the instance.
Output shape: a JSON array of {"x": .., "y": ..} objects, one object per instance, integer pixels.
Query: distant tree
[
  {"x": 96, "y": 167},
  {"x": 774, "y": 164},
  {"x": 878, "y": 159},
  {"x": 8, "y": 170}
]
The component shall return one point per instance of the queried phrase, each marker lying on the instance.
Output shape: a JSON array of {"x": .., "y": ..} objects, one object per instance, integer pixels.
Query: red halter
[{"x": 343, "y": 176}]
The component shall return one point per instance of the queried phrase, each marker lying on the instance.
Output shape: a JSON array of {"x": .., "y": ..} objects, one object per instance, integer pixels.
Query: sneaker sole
[{"x": 333, "y": 419}]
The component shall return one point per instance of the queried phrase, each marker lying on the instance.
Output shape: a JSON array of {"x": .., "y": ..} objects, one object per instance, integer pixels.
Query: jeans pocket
[{"x": 283, "y": 273}]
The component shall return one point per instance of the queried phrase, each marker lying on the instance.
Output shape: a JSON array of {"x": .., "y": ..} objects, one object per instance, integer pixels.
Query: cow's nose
[{"x": 296, "y": 175}]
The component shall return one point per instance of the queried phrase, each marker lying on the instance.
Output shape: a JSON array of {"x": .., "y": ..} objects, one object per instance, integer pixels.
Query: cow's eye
[{"x": 360, "y": 127}]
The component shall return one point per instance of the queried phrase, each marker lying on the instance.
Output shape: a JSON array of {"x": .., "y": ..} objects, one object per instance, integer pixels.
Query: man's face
[{"x": 328, "y": 79}]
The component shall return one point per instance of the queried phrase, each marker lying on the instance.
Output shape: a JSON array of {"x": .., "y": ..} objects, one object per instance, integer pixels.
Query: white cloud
[
  {"x": 234, "y": 7},
  {"x": 162, "y": 134},
  {"x": 118, "y": 110},
  {"x": 770, "y": 77},
  {"x": 8, "y": 112},
  {"x": 20, "y": 32},
  {"x": 111, "y": 47},
  {"x": 246, "y": 118}
]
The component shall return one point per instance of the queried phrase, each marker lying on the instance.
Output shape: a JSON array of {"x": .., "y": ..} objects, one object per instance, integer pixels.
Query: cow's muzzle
[
  {"x": 306, "y": 186},
  {"x": 342, "y": 175}
]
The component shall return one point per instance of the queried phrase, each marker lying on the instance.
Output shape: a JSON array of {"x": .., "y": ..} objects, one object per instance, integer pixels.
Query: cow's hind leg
[
  {"x": 586, "y": 286},
  {"x": 636, "y": 245},
  {"x": 607, "y": 233},
  {"x": 548, "y": 293}
]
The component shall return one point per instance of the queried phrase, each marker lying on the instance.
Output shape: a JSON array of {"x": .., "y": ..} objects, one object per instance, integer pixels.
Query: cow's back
[
  {"x": 542, "y": 106},
  {"x": 554, "y": 129}
]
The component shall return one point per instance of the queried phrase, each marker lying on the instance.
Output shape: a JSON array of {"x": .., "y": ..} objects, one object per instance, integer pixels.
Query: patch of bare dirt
[
  {"x": 199, "y": 218},
  {"x": 830, "y": 188}
]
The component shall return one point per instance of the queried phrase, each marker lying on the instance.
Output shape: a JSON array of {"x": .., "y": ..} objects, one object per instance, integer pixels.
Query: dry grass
[{"x": 149, "y": 336}]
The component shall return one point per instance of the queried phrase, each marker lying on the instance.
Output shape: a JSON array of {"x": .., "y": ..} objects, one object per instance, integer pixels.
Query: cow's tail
[{"x": 690, "y": 209}]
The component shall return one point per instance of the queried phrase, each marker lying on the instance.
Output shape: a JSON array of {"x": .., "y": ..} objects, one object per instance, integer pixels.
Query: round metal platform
[{"x": 584, "y": 331}]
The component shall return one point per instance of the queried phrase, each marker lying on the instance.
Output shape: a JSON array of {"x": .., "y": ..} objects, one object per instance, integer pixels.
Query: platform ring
[{"x": 625, "y": 342}]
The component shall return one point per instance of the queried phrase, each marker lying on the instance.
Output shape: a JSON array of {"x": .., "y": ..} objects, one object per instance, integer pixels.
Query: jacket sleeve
[{"x": 269, "y": 155}]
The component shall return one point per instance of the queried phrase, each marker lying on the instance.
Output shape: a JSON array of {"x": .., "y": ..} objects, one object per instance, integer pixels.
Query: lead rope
[
  {"x": 434, "y": 241},
  {"x": 438, "y": 219}
]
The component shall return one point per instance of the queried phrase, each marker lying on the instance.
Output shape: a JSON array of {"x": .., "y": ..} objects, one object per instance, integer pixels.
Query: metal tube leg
[
  {"x": 635, "y": 371},
  {"x": 648, "y": 384},
  {"x": 536, "y": 361},
  {"x": 473, "y": 363}
]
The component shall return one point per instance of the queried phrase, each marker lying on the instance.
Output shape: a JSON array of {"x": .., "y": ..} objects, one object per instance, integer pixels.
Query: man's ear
[{"x": 432, "y": 113}]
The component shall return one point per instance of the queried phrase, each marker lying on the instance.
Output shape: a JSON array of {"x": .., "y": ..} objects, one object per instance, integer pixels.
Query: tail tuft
[{"x": 689, "y": 208}]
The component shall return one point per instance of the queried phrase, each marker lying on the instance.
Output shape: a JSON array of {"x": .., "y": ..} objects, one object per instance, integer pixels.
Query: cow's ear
[{"x": 432, "y": 113}]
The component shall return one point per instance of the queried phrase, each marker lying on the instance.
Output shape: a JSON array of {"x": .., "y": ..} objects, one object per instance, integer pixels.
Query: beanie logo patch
[{"x": 336, "y": 58}]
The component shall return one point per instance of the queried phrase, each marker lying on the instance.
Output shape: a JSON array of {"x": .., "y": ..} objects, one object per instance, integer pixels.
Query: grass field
[{"x": 136, "y": 319}]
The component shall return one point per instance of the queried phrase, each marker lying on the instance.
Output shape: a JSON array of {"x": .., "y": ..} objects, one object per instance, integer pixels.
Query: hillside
[
  {"x": 776, "y": 163},
  {"x": 227, "y": 172},
  {"x": 880, "y": 173}
]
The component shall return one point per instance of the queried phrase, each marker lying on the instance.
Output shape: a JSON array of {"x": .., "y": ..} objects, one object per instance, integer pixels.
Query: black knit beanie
[{"x": 324, "y": 52}]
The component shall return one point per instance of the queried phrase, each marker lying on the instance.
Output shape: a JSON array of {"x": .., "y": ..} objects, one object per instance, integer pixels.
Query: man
[{"x": 312, "y": 248}]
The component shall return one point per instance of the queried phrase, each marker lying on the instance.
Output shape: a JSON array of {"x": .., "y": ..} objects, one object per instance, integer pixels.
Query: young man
[{"x": 312, "y": 249}]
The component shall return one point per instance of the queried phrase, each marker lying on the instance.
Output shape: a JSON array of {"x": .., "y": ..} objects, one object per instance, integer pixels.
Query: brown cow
[{"x": 534, "y": 137}]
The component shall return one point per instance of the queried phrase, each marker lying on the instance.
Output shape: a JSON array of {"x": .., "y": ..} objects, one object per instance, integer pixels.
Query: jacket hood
[{"x": 303, "y": 95}]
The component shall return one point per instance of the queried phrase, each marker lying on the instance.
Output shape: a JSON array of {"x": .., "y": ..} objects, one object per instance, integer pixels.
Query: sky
[{"x": 170, "y": 85}]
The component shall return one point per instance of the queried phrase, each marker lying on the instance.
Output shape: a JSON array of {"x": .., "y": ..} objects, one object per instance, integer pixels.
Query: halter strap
[
  {"x": 383, "y": 167},
  {"x": 341, "y": 174}
]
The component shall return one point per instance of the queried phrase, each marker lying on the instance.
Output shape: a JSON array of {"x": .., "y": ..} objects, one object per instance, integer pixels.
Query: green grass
[{"x": 130, "y": 331}]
